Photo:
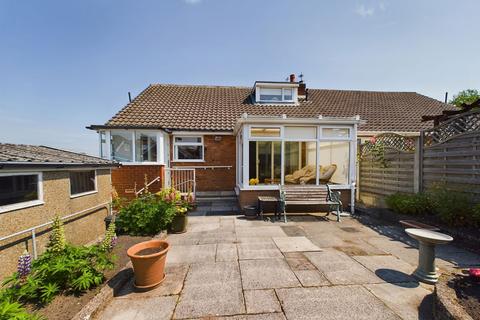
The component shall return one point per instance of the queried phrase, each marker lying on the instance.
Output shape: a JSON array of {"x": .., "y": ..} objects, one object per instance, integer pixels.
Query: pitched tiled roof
[
  {"x": 29, "y": 155},
  {"x": 189, "y": 107}
]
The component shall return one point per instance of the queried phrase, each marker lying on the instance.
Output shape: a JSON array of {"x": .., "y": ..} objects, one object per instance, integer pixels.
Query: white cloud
[
  {"x": 382, "y": 6},
  {"x": 192, "y": 1},
  {"x": 364, "y": 11}
]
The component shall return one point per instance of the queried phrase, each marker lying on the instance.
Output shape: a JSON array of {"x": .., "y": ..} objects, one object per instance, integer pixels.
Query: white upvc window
[
  {"x": 188, "y": 148},
  {"x": 276, "y": 94},
  {"x": 82, "y": 182},
  {"x": 20, "y": 190}
]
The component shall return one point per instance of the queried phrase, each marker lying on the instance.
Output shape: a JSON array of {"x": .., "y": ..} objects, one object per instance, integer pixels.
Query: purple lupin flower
[
  {"x": 113, "y": 243},
  {"x": 24, "y": 264}
]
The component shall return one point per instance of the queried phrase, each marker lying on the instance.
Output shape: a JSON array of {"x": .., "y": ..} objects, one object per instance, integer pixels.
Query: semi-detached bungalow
[{"x": 253, "y": 139}]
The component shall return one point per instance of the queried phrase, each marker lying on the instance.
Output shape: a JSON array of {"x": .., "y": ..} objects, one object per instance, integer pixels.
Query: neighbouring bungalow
[
  {"x": 36, "y": 184},
  {"x": 252, "y": 139}
]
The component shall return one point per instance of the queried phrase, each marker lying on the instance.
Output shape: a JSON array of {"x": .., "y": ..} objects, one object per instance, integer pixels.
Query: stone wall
[{"x": 56, "y": 195}]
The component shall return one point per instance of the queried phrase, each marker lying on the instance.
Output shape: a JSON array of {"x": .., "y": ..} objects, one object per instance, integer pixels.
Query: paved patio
[{"x": 310, "y": 268}]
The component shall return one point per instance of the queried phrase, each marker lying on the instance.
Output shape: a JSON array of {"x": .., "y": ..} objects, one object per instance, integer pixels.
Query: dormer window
[{"x": 276, "y": 92}]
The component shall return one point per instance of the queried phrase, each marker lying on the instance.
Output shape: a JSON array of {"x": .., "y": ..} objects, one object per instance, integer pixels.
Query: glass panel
[
  {"x": 300, "y": 133},
  {"x": 82, "y": 181},
  {"x": 145, "y": 147},
  {"x": 264, "y": 132},
  {"x": 189, "y": 152},
  {"x": 265, "y": 161},
  {"x": 270, "y": 94},
  {"x": 122, "y": 146},
  {"x": 287, "y": 94},
  {"x": 16, "y": 189},
  {"x": 300, "y": 159},
  {"x": 335, "y": 133},
  {"x": 188, "y": 139},
  {"x": 334, "y": 162},
  {"x": 103, "y": 145}
]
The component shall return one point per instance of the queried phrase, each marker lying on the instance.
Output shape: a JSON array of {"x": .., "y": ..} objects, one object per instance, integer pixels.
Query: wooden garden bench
[{"x": 309, "y": 195}]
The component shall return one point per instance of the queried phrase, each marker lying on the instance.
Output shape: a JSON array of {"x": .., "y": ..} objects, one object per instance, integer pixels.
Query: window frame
[
  {"x": 283, "y": 89},
  {"x": 25, "y": 204},
  {"x": 81, "y": 194},
  {"x": 243, "y": 185},
  {"x": 149, "y": 134},
  {"x": 176, "y": 144}
]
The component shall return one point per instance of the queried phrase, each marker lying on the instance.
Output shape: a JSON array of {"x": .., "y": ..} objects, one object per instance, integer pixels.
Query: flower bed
[
  {"x": 63, "y": 269},
  {"x": 457, "y": 297}
]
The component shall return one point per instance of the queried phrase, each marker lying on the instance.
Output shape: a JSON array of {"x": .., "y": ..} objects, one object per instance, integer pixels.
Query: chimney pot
[{"x": 292, "y": 78}]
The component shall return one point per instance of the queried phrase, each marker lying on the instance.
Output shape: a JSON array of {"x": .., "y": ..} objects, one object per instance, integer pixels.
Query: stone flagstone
[
  {"x": 263, "y": 250},
  {"x": 259, "y": 301},
  {"x": 293, "y": 244},
  {"x": 340, "y": 302},
  {"x": 311, "y": 278},
  {"x": 191, "y": 253},
  {"x": 173, "y": 283},
  {"x": 339, "y": 268},
  {"x": 226, "y": 252},
  {"x": 388, "y": 268},
  {"x": 405, "y": 300},
  {"x": 267, "y": 274},
  {"x": 211, "y": 289},
  {"x": 152, "y": 308}
]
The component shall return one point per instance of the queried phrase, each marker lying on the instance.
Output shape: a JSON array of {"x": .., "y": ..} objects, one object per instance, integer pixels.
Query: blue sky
[{"x": 67, "y": 64}]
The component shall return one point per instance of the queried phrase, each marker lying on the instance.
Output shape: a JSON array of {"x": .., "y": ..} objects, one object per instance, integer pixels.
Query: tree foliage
[{"x": 467, "y": 96}]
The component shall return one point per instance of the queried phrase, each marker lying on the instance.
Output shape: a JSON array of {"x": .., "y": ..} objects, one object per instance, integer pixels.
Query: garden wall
[{"x": 82, "y": 229}]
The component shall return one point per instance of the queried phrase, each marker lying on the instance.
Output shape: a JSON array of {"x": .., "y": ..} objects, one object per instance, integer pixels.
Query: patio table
[{"x": 263, "y": 199}]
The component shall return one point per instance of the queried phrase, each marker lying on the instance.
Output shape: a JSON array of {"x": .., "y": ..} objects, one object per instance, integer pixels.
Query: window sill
[
  {"x": 142, "y": 163},
  {"x": 73, "y": 196},
  {"x": 22, "y": 205},
  {"x": 185, "y": 160}
]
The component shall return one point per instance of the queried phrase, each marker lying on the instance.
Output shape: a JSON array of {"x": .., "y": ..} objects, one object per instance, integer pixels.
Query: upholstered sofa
[{"x": 307, "y": 175}]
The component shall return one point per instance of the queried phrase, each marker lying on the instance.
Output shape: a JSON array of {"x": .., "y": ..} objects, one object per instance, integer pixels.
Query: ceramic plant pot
[
  {"x": 148, "y": 260},
  {"x": 179, "y": 223}
]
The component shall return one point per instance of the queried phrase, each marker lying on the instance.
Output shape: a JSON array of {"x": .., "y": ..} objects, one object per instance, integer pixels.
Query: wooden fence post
[{"x": 418, "y": 164}]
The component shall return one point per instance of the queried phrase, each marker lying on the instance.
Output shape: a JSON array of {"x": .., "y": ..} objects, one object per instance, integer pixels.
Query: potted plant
[
  {"x": 180, "y": 220},
  {"x": 148, "y": 260}
]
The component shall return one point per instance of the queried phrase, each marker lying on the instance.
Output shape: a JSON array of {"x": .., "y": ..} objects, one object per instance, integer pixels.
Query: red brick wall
[
  {"x": 217, "y": 153},
  {"x": 125, "y": 178}
]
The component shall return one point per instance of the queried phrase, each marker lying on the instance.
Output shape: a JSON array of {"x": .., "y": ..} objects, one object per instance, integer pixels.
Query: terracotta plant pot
[
  {"x": 179, "y": 223},
  {"x": 148, "y": 260}
]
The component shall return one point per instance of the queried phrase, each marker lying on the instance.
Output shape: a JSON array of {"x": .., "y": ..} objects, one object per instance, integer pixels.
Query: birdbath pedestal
[{"x": 427, "y": 240}]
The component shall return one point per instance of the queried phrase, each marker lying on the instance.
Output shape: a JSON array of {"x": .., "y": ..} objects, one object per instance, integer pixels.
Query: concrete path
[{"x": 310, "y": 268}]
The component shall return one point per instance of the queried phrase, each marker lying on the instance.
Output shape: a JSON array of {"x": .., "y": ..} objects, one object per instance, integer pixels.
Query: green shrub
[
  {"x": 412, "y": 204},
  {"x": 73, "y": 270},
  {"x": 146, "y": 215},
  {"x": 15, "y": 311},
  {"x": 452, "y": 207}
]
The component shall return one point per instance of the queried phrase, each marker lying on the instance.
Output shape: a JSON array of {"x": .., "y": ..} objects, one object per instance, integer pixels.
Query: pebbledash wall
[
  {"x": 212, "y": 174},
  {"x": 79, "y": 230}
]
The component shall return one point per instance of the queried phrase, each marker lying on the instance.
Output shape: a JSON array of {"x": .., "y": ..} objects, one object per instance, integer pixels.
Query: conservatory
[{"x": 273, "y": 151}]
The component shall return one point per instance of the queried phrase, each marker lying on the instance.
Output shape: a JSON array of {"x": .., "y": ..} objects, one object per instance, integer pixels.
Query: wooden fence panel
[
  {"x": 454, "y": 162},
  {"x": 379, "y": 178}
]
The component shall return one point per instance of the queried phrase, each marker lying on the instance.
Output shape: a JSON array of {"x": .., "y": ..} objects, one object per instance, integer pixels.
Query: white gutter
[{"x": 285, "y": 120}]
